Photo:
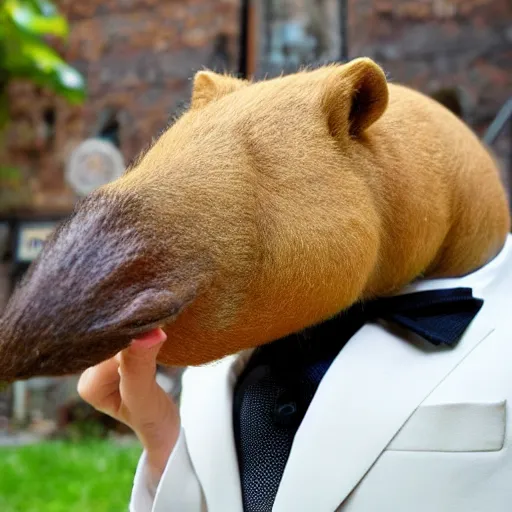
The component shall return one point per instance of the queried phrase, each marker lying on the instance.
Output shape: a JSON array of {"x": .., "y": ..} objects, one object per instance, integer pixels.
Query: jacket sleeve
[{"x": 178, "y": 490}]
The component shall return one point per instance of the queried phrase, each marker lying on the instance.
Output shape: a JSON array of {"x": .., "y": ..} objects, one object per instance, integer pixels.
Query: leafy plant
[{"x": 25, "y": 26}]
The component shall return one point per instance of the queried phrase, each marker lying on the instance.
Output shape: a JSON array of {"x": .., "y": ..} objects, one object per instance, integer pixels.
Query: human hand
[{"x": 125, "y": 388}]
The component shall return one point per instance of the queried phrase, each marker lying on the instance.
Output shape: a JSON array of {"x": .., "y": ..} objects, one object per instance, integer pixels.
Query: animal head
[{"x": 266, "y": 208}]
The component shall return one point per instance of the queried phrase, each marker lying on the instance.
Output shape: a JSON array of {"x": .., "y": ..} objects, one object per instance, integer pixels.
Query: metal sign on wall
[
  {"x": 31, "y": 238},
  {"x": 95, "y": 162}
]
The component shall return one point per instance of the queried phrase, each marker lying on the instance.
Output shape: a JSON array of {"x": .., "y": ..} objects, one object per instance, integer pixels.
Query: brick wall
[
  {"x": 137, "y": 57},
  {"x": 434, "y": 44}
]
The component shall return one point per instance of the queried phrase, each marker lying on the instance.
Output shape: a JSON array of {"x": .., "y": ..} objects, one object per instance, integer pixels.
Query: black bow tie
[
  {"x": 438, "y": 316},
  {"x": 274, "y": 391}
]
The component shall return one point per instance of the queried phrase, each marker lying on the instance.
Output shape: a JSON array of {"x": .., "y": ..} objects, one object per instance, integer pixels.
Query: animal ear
[
  {"x": 355, "y": 97},
  {"x": 209, "y": 86}
]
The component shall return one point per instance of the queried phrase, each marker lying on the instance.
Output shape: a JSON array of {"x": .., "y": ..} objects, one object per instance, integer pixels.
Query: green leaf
[
  {"x": 24, "y": 54},
  {"x": 32, "y": 59},
  {"x": 4, "y": 111},
  {"x": 10, "y": 174},
  {"x": 28, "y": 19},
  {"x": 44, "y": 7}
]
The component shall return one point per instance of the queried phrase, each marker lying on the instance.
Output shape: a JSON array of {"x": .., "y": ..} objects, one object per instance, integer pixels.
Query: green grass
[{"x": 92, "y": 476}]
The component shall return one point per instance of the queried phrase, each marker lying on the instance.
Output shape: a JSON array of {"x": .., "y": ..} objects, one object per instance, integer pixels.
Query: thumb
[{"x": 137, "y": 365}]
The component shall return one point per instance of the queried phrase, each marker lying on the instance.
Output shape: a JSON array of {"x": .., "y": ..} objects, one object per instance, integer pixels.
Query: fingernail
[{"x": 150, "y": 339}]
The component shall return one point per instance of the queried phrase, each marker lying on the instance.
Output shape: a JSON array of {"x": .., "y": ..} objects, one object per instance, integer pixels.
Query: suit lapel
[
  {"x": 206, "y": 413},
  {"x": 371, "y": 389}
]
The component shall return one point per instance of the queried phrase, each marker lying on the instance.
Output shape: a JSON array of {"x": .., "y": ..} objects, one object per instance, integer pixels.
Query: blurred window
[{"x": 290, "y": 34}]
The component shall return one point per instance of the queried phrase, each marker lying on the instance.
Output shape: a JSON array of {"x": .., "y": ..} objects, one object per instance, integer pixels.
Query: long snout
[{"x": 93, "y": 287}]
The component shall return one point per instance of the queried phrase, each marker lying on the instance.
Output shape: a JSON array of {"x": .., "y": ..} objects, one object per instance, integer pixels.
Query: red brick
[{"x": 137, "y": 57}]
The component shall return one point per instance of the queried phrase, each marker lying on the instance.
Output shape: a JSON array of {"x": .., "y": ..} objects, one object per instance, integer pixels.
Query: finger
[
  {"x": 138, "y": 366},
  {"x": 99, "y": 382}
]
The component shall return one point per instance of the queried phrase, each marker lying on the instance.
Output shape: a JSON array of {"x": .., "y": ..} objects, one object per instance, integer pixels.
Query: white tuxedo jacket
[{"x": 396, "y": 425}]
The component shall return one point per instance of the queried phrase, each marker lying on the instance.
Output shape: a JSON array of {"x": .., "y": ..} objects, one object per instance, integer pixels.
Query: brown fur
[{"x": 266, "y": 208}]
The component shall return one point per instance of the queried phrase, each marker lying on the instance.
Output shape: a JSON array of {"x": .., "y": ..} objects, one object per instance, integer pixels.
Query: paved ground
[{"x": 20, "y": 439}]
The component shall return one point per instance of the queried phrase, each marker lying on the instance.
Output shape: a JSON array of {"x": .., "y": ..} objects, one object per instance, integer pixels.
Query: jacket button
[{"x": 286, "y": 410}]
